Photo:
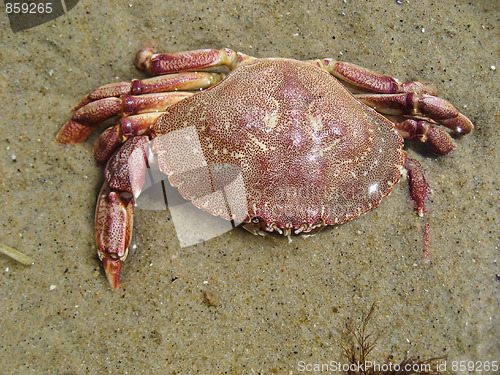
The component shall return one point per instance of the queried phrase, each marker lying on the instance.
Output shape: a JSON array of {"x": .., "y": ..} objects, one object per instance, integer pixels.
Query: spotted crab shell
[{"x": 279, "y": 142}]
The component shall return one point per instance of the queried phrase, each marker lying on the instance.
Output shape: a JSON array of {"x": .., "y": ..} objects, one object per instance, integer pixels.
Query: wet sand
[{"x": 238, "y": 303}]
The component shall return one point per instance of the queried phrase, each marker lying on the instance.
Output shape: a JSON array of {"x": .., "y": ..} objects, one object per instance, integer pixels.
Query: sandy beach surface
[{"x": 238, "y": 303}]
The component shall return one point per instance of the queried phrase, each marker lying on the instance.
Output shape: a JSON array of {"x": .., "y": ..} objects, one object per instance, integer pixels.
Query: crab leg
[
  {"x": 162, "y": 63},
  {"x": 95, "y": 113},
  {"x": 367, "y": 80},
  {"x": 390, "y": 97},
  {"x": 419, "y": 106},
  {"x": 179, "y": 69},
  {"x": 74, "y": 132},
  {"x": 122, "y": 98},
  {"x": 419, "y": 188},
  {"x": 125, "y": 176},
  {"x": 170, "y": 82}
]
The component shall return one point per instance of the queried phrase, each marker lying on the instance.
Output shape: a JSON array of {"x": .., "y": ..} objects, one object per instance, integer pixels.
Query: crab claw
[
  {"x": 439, "y": 141},
  {"x": 114, "y": 220},
  {"x": 112, "y": 268}
]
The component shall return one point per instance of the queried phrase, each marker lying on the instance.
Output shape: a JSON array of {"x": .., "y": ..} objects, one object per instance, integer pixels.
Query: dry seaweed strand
[
  {"x": 359, "y": 343},
  {"x": 16, "y": 255}
]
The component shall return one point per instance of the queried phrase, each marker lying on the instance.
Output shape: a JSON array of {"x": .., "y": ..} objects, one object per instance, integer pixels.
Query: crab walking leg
[
  {"x": 427, "y": 243},
  {"x": 365, "y": 79},
  {"x": 419, "y": 188},
  {"x": 420, "y": 106},
  {"x": 163, "y": 63},
  {"x": 125, "y": 176},
  {"x": 74, "y": 132},
  {"x": 95, "y": 113},
  {"x": 105, "y": 102},
  {"x": 170, "y": 82}
]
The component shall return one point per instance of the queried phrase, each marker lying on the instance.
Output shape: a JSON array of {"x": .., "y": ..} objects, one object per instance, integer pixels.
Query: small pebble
[{"x": 211, "y": 298}]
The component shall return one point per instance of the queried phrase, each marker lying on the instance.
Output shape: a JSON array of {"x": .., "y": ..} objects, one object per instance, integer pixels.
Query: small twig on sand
[{"x": 16, "y": 255}]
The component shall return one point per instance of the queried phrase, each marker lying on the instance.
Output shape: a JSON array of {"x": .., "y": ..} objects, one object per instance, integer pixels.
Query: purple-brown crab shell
[{"x": 283, "y": 141}]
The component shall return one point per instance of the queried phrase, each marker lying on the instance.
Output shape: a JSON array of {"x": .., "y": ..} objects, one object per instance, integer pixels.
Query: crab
[{"x": 280, "y": 144}]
